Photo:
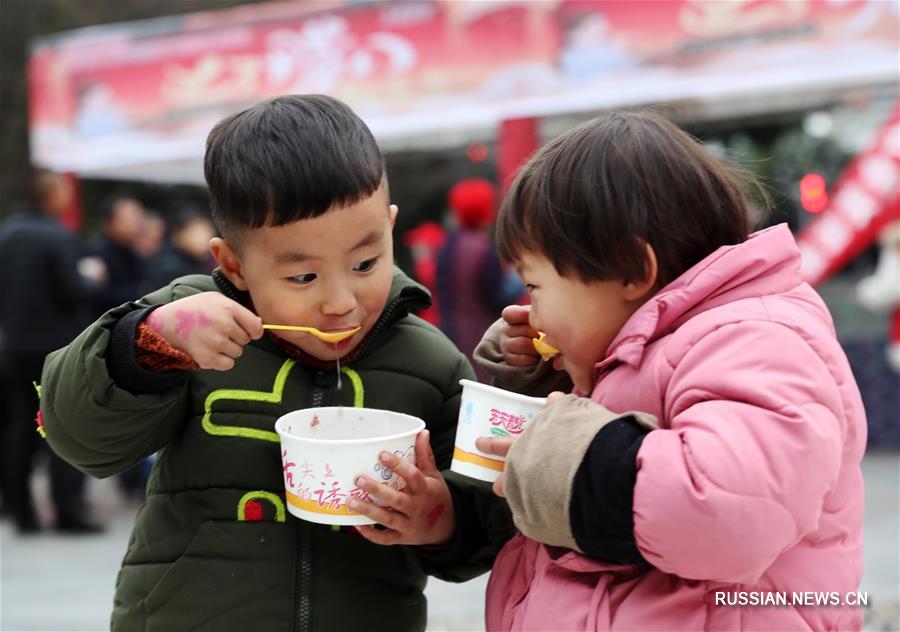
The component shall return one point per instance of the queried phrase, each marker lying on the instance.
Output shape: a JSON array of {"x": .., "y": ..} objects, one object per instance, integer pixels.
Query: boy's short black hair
[
  {"x": 588, "y": 198},
  {"x": 289, "y": 158}
]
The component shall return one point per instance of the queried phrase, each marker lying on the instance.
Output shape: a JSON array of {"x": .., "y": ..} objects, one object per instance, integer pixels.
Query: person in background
[
  {"x": 472, "y": 284},
  {"x": 44, "y": 300},
  {"x": 424, "y": 241},
  {"x": 185, "y": 250},
  {"x": 4, "y": 428},
  {"x": 150, "y": 238},
  {"x": 123, "y": 223}
]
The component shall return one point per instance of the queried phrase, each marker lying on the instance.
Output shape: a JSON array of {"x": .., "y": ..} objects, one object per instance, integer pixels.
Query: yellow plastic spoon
[
  {"x": 324, "y": 336},
  {"x": 545, "y": 350}
]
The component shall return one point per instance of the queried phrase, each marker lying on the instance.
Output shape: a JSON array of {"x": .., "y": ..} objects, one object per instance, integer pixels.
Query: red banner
[
  {"x": 108, "y": 97},
  {"x": 865, "y": 199}
]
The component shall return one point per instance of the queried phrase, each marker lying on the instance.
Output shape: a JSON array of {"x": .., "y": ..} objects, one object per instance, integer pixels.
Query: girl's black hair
[{"x": 590, "y": 198}]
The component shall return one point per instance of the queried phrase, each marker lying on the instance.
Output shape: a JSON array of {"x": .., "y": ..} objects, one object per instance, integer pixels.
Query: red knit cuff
[{"x": 155, "y": 354}]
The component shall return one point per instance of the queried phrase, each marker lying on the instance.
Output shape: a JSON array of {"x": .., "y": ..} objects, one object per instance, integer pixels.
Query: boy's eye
[
  {"x": 303, "y": 279},
  {"x": 366, "y": 265},
  {"x": 530, "y": 288}
]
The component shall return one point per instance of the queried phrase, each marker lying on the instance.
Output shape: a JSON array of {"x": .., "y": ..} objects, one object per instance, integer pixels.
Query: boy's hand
[
  {"x": 517, "y": 335},
  {"x": 422, "y": 513},
  {"x": 499, "y": 446},
  {"x": 209, "y": 327}
]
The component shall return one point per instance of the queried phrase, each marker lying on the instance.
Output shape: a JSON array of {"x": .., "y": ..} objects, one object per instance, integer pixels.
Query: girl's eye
[
  {"x": 530, "y": 288},
  {"x": 304, "y": 279},
  {"x": 366, "y": 265}
]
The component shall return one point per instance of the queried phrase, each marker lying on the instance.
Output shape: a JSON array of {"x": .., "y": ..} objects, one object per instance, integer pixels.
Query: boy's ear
[
  {"x": 635, "y": 290},
  {"x": 228, "y": 261},
  {"x": 393, "y": 210}
]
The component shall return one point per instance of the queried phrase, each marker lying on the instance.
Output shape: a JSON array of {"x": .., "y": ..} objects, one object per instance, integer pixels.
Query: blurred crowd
[{"x": 53, "y": 287}]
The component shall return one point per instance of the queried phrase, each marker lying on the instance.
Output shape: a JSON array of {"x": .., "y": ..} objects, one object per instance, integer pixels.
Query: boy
[{"x": 300, "y": 195}]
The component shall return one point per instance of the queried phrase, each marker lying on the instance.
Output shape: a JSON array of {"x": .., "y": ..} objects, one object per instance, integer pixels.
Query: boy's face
[
  {"x": 580, "y": 319},
  {"x": 332, "y": 272}
]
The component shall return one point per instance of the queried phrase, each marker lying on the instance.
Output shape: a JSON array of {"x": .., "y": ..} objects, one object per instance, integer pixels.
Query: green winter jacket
[{"x": 198, "y": 558}]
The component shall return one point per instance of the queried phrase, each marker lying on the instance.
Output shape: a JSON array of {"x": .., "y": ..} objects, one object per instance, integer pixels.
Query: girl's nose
[{"x": 533, "y": 319}]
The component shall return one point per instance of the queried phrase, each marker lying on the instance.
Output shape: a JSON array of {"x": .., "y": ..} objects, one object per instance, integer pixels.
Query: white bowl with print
[{"x": 324, "y": 450}]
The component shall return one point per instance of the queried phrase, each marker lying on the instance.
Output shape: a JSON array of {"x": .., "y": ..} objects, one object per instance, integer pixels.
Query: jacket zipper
[{"x": 321, "y": 388}]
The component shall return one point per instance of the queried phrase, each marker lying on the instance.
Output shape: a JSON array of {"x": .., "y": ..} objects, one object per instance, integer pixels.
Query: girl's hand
[
  {"x": 517, "y": 335},
  {"x": 422, "y": 513},
  {"x": 209, "y": 327},
  {"x": 499, "y": 446}
]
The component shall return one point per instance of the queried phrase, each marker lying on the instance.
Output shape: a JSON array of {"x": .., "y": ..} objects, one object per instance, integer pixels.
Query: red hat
[{"x": 472, "y": 202}]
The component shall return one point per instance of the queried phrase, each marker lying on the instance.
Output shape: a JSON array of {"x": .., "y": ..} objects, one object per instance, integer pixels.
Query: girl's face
[{"x": 580, "y": 319}]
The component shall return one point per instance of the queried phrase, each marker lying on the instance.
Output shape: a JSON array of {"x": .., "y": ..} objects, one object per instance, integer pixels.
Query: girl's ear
[
  {"x": 228, "y": 260},
  {"x": 639, "y": 290}
]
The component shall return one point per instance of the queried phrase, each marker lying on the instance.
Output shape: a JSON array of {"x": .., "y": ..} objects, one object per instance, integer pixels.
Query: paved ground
[{"x": 65, "y": 584}]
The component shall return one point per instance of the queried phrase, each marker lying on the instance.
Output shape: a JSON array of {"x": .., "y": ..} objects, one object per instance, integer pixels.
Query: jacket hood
[{"x": 767, "y": 263}]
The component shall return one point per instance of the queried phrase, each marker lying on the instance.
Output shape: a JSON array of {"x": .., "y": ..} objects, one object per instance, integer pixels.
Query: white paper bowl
[
  {"x": 484, "y": 411},
  {"x": 323, "y": 450}
]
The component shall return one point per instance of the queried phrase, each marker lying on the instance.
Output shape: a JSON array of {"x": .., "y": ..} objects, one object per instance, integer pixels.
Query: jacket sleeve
[
  {"x": 544, "y": 480},
  {"x": 90, "y": 419},
  {"x": 754, "y": 445},
  {"x": 483, "y": 522},
  {"x": 536, "y": 381}
]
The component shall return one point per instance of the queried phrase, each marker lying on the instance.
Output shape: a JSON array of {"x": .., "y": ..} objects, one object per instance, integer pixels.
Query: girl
[{"x": 738, "y": 481}]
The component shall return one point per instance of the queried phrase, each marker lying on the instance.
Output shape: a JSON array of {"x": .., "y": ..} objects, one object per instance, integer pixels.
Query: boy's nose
[{"x": 338, "y": 301}]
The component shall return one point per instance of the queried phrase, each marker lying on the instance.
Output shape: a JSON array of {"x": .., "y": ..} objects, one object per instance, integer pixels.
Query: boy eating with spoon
[{"x": 300, "y": 195}]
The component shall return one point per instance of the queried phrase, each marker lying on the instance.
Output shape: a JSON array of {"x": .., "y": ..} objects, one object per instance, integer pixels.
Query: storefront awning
[{"x": 136, "y": 100}]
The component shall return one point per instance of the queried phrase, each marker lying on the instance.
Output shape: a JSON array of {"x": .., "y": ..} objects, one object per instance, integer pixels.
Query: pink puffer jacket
[{"x": 752, "y": 484}]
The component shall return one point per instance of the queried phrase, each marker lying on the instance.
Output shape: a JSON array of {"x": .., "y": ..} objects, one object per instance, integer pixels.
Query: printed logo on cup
[{"x": 507, "y": 423}]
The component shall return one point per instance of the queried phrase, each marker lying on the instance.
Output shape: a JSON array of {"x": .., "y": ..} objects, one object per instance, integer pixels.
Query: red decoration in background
[
  {"x": 813, "y": 193},
  {"x": 477, "y": 152},
  {"x": 863, "y": 201},
  {"x": 424, "y": 241},
  {"x": 72, "y": 216},
  {"x": 518, "y": 139}
]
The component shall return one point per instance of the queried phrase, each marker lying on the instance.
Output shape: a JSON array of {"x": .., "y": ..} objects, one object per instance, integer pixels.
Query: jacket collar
[
  {"x": 767, "y": 263},
  {"x": 405, "y": 296}
]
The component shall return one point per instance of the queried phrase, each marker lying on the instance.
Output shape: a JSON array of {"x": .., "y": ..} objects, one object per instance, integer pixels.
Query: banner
[
  {"x": 115, "y": 100},
  {"x": 864, "y": 200}
]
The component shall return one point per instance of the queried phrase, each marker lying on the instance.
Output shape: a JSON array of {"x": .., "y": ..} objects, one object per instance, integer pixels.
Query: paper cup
[
  {"x": 485, "y": 410},
  {"x": 323, "y": 450}
]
